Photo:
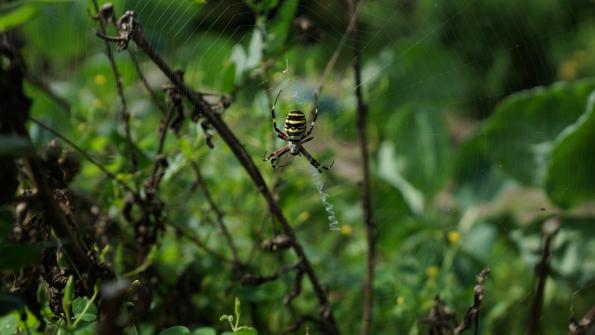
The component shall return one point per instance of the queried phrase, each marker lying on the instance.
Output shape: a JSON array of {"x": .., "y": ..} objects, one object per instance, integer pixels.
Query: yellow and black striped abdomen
[{"x": 295, "y": 126}]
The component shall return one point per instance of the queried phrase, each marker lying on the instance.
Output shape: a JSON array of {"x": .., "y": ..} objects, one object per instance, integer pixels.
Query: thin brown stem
[
  {"x": 333, "y": 60},
  {"x": 242, "y": 155},
  {"x": 218, "y": 212},
  {"x": 124, "y": 114},
  {"x": 362, "y": 124},
  {"x": 550, "y": 228},
  {"x": 158, "y": 103},
  {"x": 157, "y": 172}
]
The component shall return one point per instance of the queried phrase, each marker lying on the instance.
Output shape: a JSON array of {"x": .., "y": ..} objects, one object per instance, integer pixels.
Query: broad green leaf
[
  {"x": 204, "y": 331},
  {"x": 521, "y": 131},
  {"x": 280, "y": 27},
  {"x": 16, "y": 17},
  {"x": 10, "y": 302},
  {"x": 8, "y": 324},
  {"x": 175, "y": 330},
  {"x": 418, "y": 137},
  {"x": 14, "y": 256},
  {"x": 245, "y": 331},
  {"x": 571, "y": 174},
  {"x": 14, "y": 146},
  {"x": 79, "y": 305}
]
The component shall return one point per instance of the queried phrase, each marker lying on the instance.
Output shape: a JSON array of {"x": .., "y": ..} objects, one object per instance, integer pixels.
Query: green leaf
[
  {"x": 15, "y": 146},
  {"x": 175, "y": 330},
  {"x": 280, "y": 26},
  {"x": 521, "y": 132},
  {"x": 14, "y": 256},
  {"x": 8, "y": 324},
  {"x": 420, "y": 166},
  {"x": 204, "y": 331},
  {"x": 79, "y": 305},
  {"x": 571, "y": 172},
  {"x": 245, "y": 331},
  {"x": 68, "y": 297},
  {"x": 9, "y": 303},
  {"x": 17, "y": 17}
]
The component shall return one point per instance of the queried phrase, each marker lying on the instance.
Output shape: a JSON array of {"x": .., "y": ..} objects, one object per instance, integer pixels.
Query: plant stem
[
  {"x": 362, "y": 123},
  {"x": 124, "y": 114},
  {"x": 550, "y": 228}
]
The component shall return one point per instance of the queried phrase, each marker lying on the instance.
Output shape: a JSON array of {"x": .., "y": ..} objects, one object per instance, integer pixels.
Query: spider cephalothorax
[{"x": 296, "y": 133}]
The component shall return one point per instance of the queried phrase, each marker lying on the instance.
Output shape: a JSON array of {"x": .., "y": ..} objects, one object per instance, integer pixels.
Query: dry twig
[{"x": 550, "y": 228}]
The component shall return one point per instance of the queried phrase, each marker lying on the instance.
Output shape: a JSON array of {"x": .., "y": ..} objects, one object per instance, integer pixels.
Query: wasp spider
[{"x": 296, "y": 133}]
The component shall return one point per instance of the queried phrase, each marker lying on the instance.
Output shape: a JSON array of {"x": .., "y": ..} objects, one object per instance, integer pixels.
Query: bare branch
[
  {"x": 362, "y": 124},
  {"x": 124, "y": 114},
  {"x": 550, "y": 228},
  {"x": 471, "y": 318}
]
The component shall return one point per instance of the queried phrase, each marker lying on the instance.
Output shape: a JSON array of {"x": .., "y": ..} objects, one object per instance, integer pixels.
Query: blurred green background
[{"x": 481, "y": 126}]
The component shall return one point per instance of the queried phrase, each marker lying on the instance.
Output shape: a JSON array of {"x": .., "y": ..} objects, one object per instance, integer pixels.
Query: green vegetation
[{"x": 137, "y": 201}]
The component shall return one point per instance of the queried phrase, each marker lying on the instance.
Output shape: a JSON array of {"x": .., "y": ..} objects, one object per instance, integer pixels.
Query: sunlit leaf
[
  {"x": 17, "y": 17},
  {"x": 8, "y": 324}
]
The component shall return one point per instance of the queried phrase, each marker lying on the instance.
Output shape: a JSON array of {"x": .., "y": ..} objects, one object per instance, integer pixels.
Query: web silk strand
[{"x": 328, "y": 207}]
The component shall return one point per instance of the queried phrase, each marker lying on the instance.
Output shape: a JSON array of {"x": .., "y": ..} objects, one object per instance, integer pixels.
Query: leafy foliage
[{"x": 481, "y": 127}]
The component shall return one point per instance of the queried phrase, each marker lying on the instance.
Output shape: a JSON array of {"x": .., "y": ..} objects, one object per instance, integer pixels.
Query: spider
[{"x": 296, "y": 133}]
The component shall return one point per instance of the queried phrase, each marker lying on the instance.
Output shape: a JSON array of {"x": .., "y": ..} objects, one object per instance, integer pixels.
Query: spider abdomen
[{"x": 295, "y": 126}]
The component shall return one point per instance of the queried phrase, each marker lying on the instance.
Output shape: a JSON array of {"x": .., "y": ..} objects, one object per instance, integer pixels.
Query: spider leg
[
  {"x": 279, "y": 132},
  {"x": 305, "y": 140},
  {"x": 277, "y": 154},
  {"x": 314, "y": 117},
  {"x": 313, "y": 161}
]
